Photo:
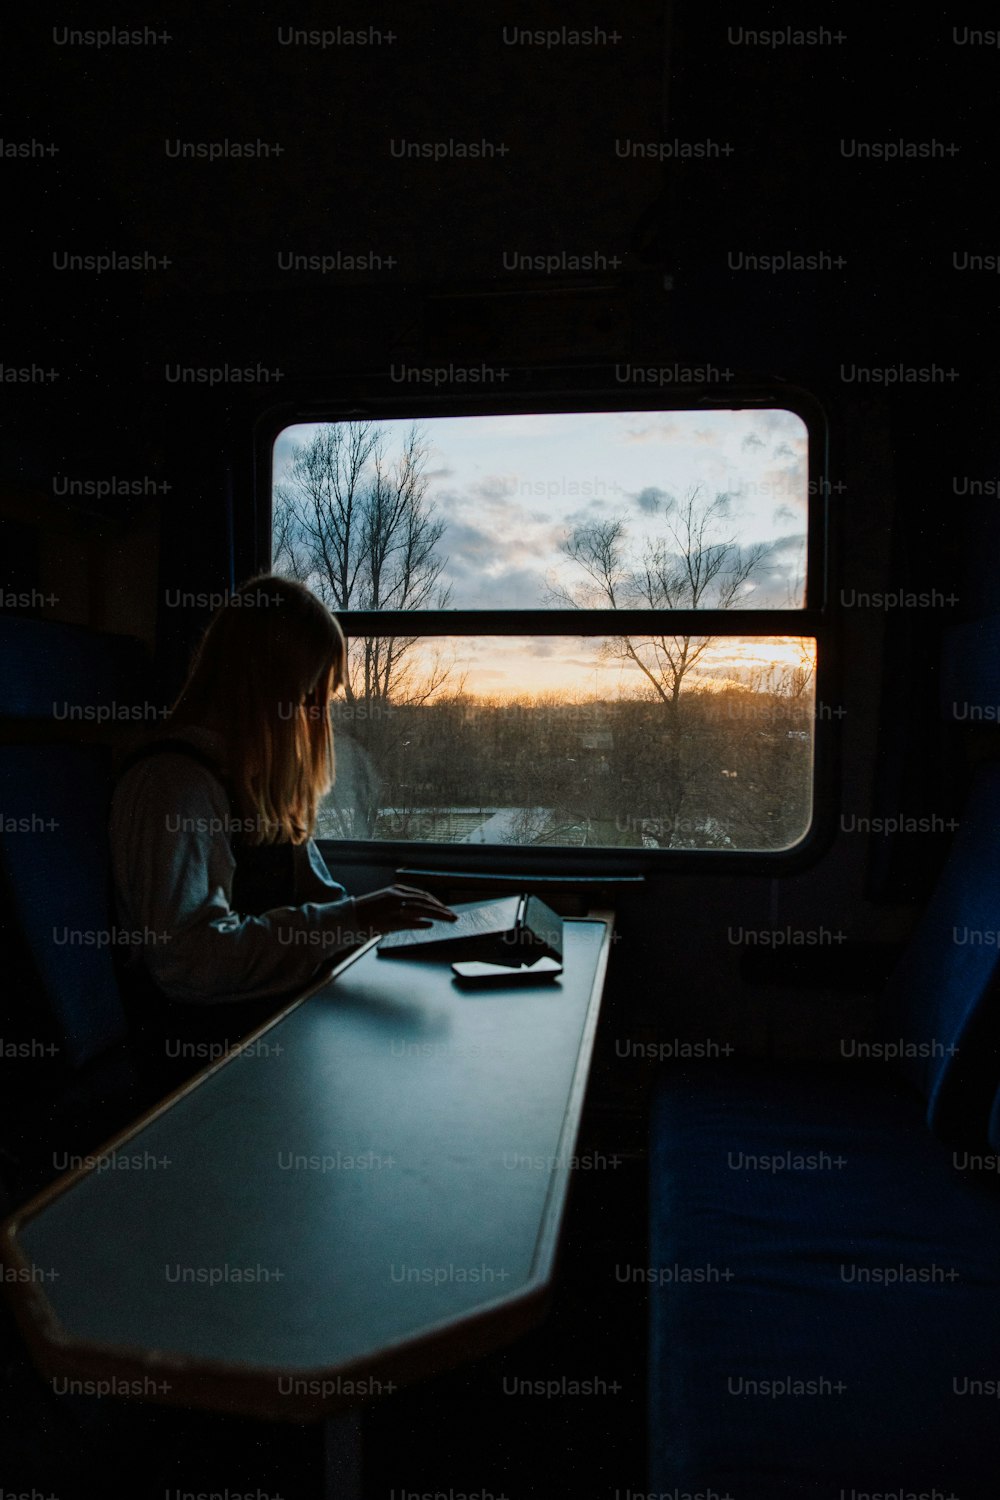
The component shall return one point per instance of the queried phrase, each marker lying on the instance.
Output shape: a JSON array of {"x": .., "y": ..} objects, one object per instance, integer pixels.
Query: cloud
[
  {"x": 545, "y": 647},
  {"x": 794, "y": 541},
  {"x": 777, "y": 421},
  {"x": 517, "y": 424},
  {"x": 468, "y": 544},
  {"x": 777, "y": 580},
  {"x": 653, "y": 500},
  {"x": 503, "y": 587},
  {"x": 666, "y": 430},
  {"x": 753, "y": 441},
  {"x": 489, "y": 674},
  {"x": 496, "y": 486},
  {"x": 594, "y": 510}
]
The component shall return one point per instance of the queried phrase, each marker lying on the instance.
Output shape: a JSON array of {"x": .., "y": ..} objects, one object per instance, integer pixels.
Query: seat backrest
[
  {"x": 943, "y": 999},
  {"x": 944, "y": 995},
  {"x": 54, "y": 858},
  {"x": 50, "y": 670},
  {"x": 59, "y": 685}
]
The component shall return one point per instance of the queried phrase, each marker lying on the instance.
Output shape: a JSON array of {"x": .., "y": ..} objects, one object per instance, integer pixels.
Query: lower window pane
[{"x": 641, "y": 743}]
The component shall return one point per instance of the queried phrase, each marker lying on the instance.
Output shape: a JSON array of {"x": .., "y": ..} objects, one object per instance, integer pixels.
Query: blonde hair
[{"x": 264, "y": 672}]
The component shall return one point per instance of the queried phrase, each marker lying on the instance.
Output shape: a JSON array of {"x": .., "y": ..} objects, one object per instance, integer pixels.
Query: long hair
[{"x": 264, "y": 672}]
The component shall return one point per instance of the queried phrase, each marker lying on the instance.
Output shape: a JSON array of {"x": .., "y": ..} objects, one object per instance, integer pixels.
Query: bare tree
[
  {"x": 692, "y": 564},
  {"x": 688, "y": 567},
  {"x": 354, "y": 523}
]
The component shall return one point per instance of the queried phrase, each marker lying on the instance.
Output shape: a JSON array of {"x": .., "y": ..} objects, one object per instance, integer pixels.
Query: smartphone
[{"x": 499, "y": 976}]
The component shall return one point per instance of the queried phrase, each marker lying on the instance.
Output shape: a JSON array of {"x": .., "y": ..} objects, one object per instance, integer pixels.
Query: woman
[{"x": 213, "y": 859}]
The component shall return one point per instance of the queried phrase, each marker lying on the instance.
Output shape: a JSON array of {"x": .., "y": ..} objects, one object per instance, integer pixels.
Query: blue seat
[
  {"x": 54, "y": 856},
  {"x": 836, "y": 1243},
  {"x": 48, "y": 669},
  {"x": 70, "y": 1079},
  {"x": 855, "y": 1222},
  {"x": 942, "y": 998}
]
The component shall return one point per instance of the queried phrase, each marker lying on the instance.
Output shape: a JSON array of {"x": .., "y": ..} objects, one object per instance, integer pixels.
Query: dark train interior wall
[{"x": 583, "y": 153}]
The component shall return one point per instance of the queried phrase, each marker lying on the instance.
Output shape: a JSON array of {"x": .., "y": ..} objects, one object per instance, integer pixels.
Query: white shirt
[{"x": 173, "y": 874}]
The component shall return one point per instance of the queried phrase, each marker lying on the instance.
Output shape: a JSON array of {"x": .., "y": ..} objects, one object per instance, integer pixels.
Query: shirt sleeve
[
  {"x": 173, "y": 873},
  {"x": 313, "y": 881}
]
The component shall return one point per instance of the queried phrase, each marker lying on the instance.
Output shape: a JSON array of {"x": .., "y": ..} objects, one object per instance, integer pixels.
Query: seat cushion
[{"x": 807, "y": 1227}]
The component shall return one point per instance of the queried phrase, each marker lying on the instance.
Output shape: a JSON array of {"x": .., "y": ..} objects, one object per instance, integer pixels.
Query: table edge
[{"x": 253, "y": 1389}]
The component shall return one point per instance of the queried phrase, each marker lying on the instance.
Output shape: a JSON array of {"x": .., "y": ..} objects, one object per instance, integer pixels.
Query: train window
[{"x": 575, "y": 630}]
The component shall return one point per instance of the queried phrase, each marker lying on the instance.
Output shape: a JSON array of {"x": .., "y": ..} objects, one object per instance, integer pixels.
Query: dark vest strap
[{"x": 174, "y": 745}]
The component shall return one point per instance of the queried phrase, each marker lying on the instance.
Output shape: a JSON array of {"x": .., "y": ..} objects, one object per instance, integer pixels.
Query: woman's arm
[
  {"x": 313, "y": 881},
  {"x": 173, "y": 870}
]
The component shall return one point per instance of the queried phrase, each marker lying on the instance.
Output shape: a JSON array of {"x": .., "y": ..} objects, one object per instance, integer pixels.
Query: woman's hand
[{"x": 398, "y": 907}]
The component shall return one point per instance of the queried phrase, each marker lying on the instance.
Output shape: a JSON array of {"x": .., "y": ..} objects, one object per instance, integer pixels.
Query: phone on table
[{"x": 499, "y": 976}]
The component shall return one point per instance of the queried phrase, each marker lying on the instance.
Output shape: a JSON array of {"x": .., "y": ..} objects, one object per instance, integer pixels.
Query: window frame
[{"x": 560, "y": 390}]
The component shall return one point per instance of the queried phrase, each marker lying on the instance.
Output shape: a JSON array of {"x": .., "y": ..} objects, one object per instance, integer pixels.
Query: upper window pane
[{"x": 625, "y": 510}]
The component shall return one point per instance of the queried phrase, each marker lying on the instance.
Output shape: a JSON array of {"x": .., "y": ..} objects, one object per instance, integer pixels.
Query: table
[{"x": 368, "y": 1190}]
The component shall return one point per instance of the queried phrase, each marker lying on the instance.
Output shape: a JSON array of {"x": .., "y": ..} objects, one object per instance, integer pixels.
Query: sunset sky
[{"x": 511, "y": 488}]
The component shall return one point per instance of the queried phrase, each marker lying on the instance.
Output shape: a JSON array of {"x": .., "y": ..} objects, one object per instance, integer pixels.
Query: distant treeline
[{"x": 729, "y": 768}]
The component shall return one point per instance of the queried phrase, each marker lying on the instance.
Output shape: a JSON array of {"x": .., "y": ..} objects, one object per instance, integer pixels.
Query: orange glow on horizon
[{"x": 571, "y": 670}]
